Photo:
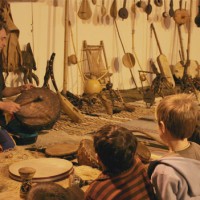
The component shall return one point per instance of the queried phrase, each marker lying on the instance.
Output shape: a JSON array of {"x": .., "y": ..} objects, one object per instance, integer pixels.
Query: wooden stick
[
  {"x": 36, "y": 99},
  {"x": 66, "y": 48},
  {"x": 189, "y": 30},
  {"x": 181, "y": 43},
  {"x": 154, "y": 31}
]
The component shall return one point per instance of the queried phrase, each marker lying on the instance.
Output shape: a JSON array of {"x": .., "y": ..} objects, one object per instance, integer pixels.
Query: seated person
[
  {"x": 8, "y": 106},
  {"x": 123, "y": 176},
  {"x": 54, "y": 191},
  {"x": 176, "y": 176}
]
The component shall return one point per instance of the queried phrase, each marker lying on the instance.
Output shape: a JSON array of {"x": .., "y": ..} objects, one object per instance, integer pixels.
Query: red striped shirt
[{"x": 130, "y": 185}]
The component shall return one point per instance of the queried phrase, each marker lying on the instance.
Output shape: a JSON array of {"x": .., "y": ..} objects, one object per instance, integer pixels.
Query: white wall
[{"x": 47, "y": 20}]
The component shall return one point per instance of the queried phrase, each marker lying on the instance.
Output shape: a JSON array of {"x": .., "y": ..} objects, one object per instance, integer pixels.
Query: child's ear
[
  {"x": 98, "y": 159},
  {"x": 162, "y": 126},
  {"x": 100, "y": 162}
]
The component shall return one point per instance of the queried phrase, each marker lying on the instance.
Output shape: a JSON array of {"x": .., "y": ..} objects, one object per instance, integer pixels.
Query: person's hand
[
  {"x": 9, "y": 106},
  {"x": 26, "y": 87}
]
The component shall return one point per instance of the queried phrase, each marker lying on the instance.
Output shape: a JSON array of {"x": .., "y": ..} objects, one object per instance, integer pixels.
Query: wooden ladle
[
  {"x": 158, "y": 3},
  {"x": 197, "y": 18},
  {"x": 94, "y": 2},
  {"x": 107, "y": 17},
  {"x": 133, "y": 7},
  {"x": 148, "y": 8},
  {"x": 166, "y": 16},
  {"x": 85, "y": 11},
  {"x": 165, "y": 13},
  {"x": 171, "y": 9},
  {"x": 113, "y": 9},
  {"x": 103, "y": 9},
  {"x": 123, "y": 12},
  {"x": 141, "y": 4}
]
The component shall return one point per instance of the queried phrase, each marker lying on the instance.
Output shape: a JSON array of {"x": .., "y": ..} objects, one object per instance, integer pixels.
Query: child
[
  {"x": 176, "y": 176},
  {"x": 177, "y": 117},
  {"x": 123, "y": 176},
  {"x": 49, "y": 190},
  {"x": 54, "y": 191}
]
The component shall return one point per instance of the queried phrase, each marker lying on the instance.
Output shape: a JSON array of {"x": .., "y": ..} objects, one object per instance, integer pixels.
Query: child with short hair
[
  {"x": 54, "y": 191},
  {"x": 123, "y": 176},
  {"x": 47, "y": 191},
  {"x": 176, "y": 176}
]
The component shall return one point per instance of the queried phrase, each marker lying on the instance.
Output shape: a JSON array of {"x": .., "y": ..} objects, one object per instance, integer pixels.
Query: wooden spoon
[
  {"x": 113, "y": 9},
  {"x": 166, "y": 16},
  {"x": 103, "y": 9},
  {"x": 171, "y": 10},
  {"x": 141, "y": 4},
  {"x": 133, "y": 7},
  {"x": 107, "y": 18},
  {"x": 158, "y": 3},
  {"x": 94, "y": 2},
  {"x": 165, "y": 13},
  {"x": 197, "y": 18},
  {"x": 85, "y": 11},
  {"x": 148, "y": 9},
  {"x": 123, "y": 12}
]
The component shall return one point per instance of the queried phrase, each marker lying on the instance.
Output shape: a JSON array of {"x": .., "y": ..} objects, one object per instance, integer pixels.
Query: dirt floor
[{"x": 67, "y": 132}]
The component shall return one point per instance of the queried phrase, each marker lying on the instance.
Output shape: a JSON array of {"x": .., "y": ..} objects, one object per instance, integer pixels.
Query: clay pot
[{"x": 92, "y": 86}]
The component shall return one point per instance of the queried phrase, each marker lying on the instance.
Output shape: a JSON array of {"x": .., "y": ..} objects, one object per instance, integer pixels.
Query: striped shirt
[{"x": 132, "y": 184}]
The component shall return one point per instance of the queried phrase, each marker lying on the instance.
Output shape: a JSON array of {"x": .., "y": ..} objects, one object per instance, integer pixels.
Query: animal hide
[{"x": 12, "y": 57}]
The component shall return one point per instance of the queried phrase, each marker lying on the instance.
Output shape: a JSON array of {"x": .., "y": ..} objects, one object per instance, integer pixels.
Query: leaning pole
[{"x": 65, "y": 71}]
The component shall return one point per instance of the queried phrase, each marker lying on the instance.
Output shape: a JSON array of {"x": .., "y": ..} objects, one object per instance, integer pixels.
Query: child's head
[
  {"x": 47, "y": 191},
  {"x": 179, "y": 114},
  {"x": 115, "y": 147}
]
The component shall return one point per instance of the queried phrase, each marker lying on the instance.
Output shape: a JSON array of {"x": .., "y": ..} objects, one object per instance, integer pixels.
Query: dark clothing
[
  {"x": 132, "y": 184},
  {"x": 2, "y": 82},
  {"x": 23, "y": 136},
  {"x": 6, "y": 142},
  {"x": 2, "y": 86},
  {"x": 196, "y": 135}
]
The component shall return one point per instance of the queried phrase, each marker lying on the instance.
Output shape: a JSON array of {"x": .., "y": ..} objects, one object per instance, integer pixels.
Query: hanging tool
[{"x": 128, "y": 58}]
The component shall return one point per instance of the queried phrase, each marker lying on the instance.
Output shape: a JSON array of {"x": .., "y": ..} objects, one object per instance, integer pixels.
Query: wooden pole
[{"x": 65, "y": 73}]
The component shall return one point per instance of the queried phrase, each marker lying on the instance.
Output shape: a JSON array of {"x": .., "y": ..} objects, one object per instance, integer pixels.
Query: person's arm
[
  {"x": 11, "y": 91},
  {"x": 9, "y": 106},
  {"x": 167, "y": 183}
]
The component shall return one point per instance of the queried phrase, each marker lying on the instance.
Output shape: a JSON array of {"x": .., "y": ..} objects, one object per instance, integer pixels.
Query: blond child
[{"x": 176, "y": 176}]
